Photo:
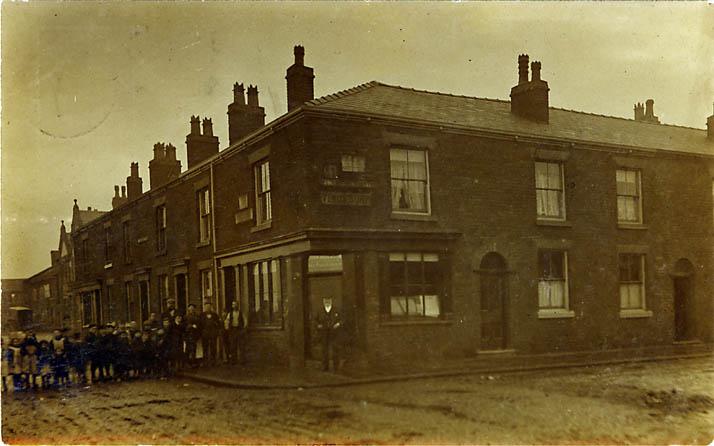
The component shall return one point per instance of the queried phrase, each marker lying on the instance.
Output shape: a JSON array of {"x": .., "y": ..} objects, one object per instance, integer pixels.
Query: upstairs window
[
  {"x": 126, "y": 241},
  {"x": 204, "y": 216},
  {"x": 415, "y": 284},
  {"x": 161, "y": 228},
  {"x": 632, "y": 282},
  {"x": 265, "y": 298},
  {"x": 264, "y": 207},
  {"x": 550, "y": 198},
  {"x": 107, "y": 245},
  {"x": 629, "y": 203},
  {"x": 552, "y": 280},
  {"x": 85, "y": 255},
  {"x": 410, "y": 180},
  {"x": 353, "y": 163}
]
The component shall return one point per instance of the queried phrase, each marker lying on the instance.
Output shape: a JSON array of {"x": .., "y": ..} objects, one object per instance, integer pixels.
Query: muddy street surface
[{"x": 652, "y": 403}]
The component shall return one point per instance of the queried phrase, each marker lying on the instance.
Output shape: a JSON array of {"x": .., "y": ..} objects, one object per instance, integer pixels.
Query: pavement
[{"x": 486, "y": 364}]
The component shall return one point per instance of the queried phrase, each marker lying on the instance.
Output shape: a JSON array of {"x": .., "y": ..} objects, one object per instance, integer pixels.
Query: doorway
[
  {"x": 324, "y": 280},
  {"x": 494, "y": 302},
  {"x": 143, "y": 302},
  {"x": 683, "y": 278},
  {"x": 181, "y": 293}
]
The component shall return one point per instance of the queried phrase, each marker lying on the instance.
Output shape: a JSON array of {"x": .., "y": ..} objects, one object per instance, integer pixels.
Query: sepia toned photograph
[{"x": 398, "y": 223}]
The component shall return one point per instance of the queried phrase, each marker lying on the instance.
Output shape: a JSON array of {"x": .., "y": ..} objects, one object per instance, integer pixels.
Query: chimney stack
[
  {"x": 710, "y": 126},
  {"x": 134, "y": 186},
  {"x": 645, "y": 113},
  {"x": 529, "y": 99},
  {"x": 164, "y": 167},
  {"x": 200, "y": 147},
  {"x": 244, "y": 119},
  {"x": 300, "y": 80}
]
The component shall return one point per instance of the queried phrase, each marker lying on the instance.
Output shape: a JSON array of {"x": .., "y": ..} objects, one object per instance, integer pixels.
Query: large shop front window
[
  {"x": 410, "y": 180},
  {"x": 265, "y": 297},
  {"x": 415, "y": 283}
]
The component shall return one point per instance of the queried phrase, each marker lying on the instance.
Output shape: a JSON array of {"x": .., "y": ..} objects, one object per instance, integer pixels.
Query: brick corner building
[{"x": 441, "y": 225}]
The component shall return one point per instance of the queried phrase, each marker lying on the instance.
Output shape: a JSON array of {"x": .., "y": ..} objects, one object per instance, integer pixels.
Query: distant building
[{"x": 441, "y": 225}]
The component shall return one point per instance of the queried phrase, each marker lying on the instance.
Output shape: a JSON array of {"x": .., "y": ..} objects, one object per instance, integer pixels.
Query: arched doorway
[
  {"x": 684, "y": 314},
  {"x": 494, "y": 302}
]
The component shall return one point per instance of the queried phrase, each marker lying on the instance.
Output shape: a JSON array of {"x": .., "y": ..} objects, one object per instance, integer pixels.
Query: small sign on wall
[{"x": 346, "y": 199}]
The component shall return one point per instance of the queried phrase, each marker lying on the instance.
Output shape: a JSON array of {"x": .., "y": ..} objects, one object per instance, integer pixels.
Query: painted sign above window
[{"x": 324, "y": 264}]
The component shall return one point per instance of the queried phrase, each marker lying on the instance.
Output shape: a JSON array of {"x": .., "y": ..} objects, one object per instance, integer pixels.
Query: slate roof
[
  {"x": 84, "y": 217},
  {"x": 393, "y": 102}
]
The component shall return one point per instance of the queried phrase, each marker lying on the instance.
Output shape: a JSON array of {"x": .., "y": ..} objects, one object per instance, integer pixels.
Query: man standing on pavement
[
  {"x": 170, "y": 312},
  {"x": 192, "y": 334},
  {"x": 329, "y": 327},
  {"x": 210, "y": 325},
  {"x": 235, "y": 327}
]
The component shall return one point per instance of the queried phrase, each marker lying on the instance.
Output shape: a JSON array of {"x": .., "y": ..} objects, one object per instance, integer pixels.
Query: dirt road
[{"x": 653, "y": 403}]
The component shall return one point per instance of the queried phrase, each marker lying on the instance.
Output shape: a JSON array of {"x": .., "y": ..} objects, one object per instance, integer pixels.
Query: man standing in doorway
[
  {"x": 210, "y": 329},
  {"x": 235, "y": 327},
  {"x": 329, "y": 327}
]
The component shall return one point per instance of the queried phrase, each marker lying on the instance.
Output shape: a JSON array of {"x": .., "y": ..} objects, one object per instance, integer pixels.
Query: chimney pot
[
  {"x": 238, "y": 94},
  {"x": 299, "y": 52},
  {"x": 253, "y": 96},
  {"x": 123, "y": 191},
  {"x": 195, "y": 125},
  {"x": 649, "y": 112},
  {"x": 522, "y": 69},
  {"x": 207, "y": 127},
  {"x": 535, "y": 71}
]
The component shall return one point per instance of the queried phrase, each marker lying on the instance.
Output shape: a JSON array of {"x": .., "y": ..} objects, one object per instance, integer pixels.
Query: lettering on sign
[{"x": 346, "y": 199}]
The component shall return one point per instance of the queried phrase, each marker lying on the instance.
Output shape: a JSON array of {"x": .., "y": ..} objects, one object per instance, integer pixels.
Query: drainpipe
[{"x": 213, "y": 240}]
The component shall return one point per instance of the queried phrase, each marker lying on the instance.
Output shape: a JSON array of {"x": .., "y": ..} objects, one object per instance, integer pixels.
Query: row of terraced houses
[{"x": 441, "y": 225}]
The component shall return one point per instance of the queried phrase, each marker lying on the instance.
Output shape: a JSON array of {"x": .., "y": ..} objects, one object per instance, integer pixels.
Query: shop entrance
[
  {"x": 494, "y": 302},
  {"x": 324, "y": 280}
]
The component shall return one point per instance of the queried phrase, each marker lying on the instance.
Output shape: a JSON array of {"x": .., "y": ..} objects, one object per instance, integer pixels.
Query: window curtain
[
  {"x": 548, "y": 189},
  {"x": 408, "y": 172}
]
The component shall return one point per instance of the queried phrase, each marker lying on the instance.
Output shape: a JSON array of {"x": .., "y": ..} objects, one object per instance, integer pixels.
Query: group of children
[{"x": 107, "y": 352}]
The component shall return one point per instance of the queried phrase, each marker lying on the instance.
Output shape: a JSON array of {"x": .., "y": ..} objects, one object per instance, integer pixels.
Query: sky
[{"x": 88, "y": 88}]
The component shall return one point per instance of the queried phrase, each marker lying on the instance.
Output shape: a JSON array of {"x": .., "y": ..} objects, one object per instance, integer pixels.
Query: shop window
[
  {"x": 415, "y": 285},
  {"x": 265, "y": 298}
]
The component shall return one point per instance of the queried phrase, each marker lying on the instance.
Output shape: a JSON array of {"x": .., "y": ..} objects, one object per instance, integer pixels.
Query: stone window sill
[
  {"x": 203, "y": 243},
  {"x": 556, "y": 223},
  {"x": 632, "y": 314},
  {"x": 411, "y": 216},
  {"x": 555, "y": 314},
  {"x": 161, "y": 253},
  {"x": 635, "y": 226},
  {"x": 108, "y": 265},
  {"x": 262, "y": 226}
]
